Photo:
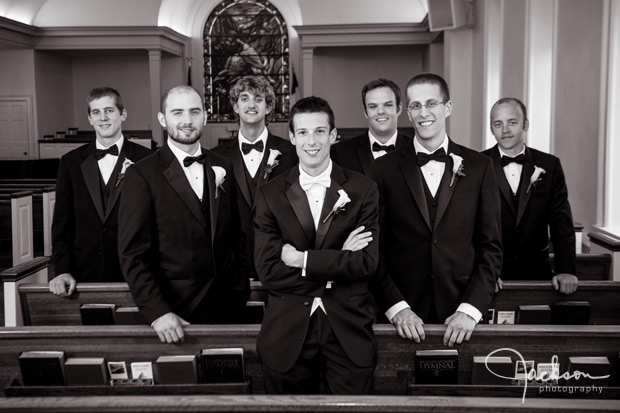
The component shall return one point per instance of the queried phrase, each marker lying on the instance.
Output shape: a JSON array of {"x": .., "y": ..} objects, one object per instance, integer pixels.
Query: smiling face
[
  {"x": 184, "y": 117},
  {"x": 382, "y": 112},
  {"x": 509, "y": 127},
  {"x": 106, "y": 118},
  {"x": 252, "y": 109},
  {"x": 429, "y": 124},
  {"x": 312, "y": 139}
]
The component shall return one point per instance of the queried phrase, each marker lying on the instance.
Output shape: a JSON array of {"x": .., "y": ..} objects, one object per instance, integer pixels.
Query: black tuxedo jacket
[
  {"x": 541, "y": 211},
  {"x": 283, "y": 216},
  {"x": 286, "y": 160},
  {"x": 456, "y": 260},
  {"x": 165, "y": 236},
  {"x": 84, "y": 236},
  {"x": 355, "y": 153}
]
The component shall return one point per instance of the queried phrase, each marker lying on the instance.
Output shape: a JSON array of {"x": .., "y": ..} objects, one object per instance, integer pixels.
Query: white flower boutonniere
[
  {"x": 535, "y": 177},
  {"x": 343, "y": 199},
  {"x": 457, "y": 169},
  {"x": 126, "y": 164},
  {"x": 272, "y": 162},
  {"x": 220, "y": 177}
]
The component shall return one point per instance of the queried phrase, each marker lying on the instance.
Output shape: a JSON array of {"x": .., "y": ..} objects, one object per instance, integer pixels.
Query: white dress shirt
[
  {"x": 512, "y": 170},
  {"x": 108, "y": 162},
  {"x": 253, "y": 159},
  {"x": 372, "y": 139},
  {"x": 194, "y": 173}
]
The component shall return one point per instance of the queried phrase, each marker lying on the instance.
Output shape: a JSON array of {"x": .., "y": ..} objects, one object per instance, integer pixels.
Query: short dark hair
[
  {"x": 164, "y": 98},
  {"x": 512, "y": 100},
  {"x": 312, "y": 104},
  {"x": 100, "y": 92},
  {"x": 433, "y": 79},
  {"x": 376, "y": 84}
]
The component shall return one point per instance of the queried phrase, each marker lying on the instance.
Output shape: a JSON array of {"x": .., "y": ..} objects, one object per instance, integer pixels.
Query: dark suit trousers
[{"x": 321, "y": 353}]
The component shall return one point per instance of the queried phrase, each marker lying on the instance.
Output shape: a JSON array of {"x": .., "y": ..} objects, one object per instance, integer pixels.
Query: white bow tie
[{"x": 306, "y": 181}]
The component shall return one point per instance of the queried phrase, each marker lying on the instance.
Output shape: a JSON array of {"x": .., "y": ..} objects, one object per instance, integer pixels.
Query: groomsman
[
  {"x": 257, "y": 155},
  {"x": 88, "y": 187},
  {"x": 314, "y": 259},
  {"x": 382, "y": 107},
  {"x": 440, "y": 223},
  {"x": 534, "y": 203}
]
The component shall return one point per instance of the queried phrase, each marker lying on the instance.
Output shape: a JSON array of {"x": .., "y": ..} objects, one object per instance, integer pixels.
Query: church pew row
[
  {"x": 592, "y": 266},
  {"x": 395, "y": 356},
  {"x": 298, "y": 404},
  {"x": 16, "y": 235},
  {"x": 39, "y": 307},
  {"x": 32, "y": 271}
]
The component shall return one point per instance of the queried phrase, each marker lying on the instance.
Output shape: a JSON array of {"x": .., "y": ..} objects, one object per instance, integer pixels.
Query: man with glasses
[
  {"x": 440, "y": 224},
  {"x": 382, "y": 107}
]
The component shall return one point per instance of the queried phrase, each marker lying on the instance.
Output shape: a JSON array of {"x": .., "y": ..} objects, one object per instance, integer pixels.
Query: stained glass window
[{"x": 244, "y": 37}]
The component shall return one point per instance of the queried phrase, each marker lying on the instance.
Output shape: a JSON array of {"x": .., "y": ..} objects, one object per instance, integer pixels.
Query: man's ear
[
  {"x": 124, "y": 115},
  {"x": 162, "y": 119},
  {"x": 333, "y": 135},
  {"x": 291, "y": 136},
  {"x": 526, "y": 125}
]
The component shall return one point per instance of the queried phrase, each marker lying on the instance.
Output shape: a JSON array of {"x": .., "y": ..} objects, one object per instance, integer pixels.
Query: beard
[{"x": 182, "y": 137}]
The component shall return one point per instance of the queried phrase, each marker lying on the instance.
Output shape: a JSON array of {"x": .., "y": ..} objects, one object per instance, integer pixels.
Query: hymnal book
[
  {"x": 42, "y": 368},
  {"x": 86, "y": 371},
  {"x": 142, "y": 369},
  {"x": 486, "y": 370},
  {"x": 97, "y": 314},
  {"x": 223, "y": 365},
  {"x": 523, "y": 371},
  {"x": 593, "y": 366},
  {"x": 176, "y": 370},
  {"x": 534, "y": 314},
  {"x": 118, "y": 370},
  {"x": 128, "y": 316},
  {"x": 571, "y": 312},
  {"x": 437, "y": 367},
  {"x": 490, "y": 316},
  {"x": 254, "y": 312},
  {"x": 505, "y": 317},
  {"x": 548, "y": 373}
]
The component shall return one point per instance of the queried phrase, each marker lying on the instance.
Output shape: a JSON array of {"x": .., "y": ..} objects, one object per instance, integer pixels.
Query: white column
[
  {"x": 155, "y": 77},
  {"x": 307, "y": 71}
]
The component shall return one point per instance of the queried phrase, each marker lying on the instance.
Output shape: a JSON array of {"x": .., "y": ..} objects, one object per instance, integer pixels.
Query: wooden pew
[
  {"x": 395, "y": 358},
  {"x": 591, "y": 266},
  {"x": 33, "y": 271},
  {"x": 16, "y": 213}
]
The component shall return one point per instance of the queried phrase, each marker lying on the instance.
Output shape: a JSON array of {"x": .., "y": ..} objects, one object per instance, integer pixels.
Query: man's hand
[
  {"x": 60, "y": 283},
  {"x": 291, "y": 257},
  {"x": 409, "y": 325},
  {"x": 499, "y": 285},
  {"x": 565, "y": 283},
  {"x": 460, "y": 327},
  {"x": 169, "y": 328},
  {"x": 357, "y": 240}
]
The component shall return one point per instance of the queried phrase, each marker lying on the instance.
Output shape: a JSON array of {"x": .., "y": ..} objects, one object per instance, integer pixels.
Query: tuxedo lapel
[
  {"x": 414, "y": 178},
  {"x": 528, "y": 170},
  {"x": 127, "y": 152},
  {"x": 331, "y": 196},
  {"x": 213, "y": 202},
  {"x": 90, "y": 172},
  {"x": 502, "y": 182},
  {"x": 176, "y": 178},
  {"x": 445, "y": 190},
  {"x": 234, "y": 154},
  {"x": 299, "y": 202},
  {"x": 365, "y": 155}
]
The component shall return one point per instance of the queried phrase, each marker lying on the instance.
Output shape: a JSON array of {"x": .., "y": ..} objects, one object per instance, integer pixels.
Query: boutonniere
[
  {"x": 535, "y": 177},
  {"x": 457, "y": 168},
  {"x": 343, "y": 199},
  {"x": 126, "y": 164},
  {"x": 220, "y": 177},
  {"x": 272, "y": 162}
]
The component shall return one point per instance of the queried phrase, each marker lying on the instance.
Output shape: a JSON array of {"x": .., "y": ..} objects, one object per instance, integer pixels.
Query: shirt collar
[
  {"x": 180, "y": 154},
  {"x": 119, "y": 143},
  {"x": 261, "y": 137},
  {"x": 421, "y": 149},
  {"x": 391, "y": 141},
  {"x": 327, "y": 171},
  {"x": 502, "y": 153}
]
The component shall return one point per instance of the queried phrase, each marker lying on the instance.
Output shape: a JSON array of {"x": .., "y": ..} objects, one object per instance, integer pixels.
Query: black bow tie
[
  {"x": 376, "y": 147},
  {"x": 247, "y": 147},
  {"x": 100, "y": 153},
  {"x": 517, "y": 159},
  {"x": 191, "y": 159},
  {"x": 439, "y": 155}
]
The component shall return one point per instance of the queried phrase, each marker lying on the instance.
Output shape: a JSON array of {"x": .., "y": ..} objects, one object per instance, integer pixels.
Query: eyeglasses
[{"x": 430, "y": 104}]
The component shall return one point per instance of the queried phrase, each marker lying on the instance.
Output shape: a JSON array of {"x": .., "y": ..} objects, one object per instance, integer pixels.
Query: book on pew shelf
[
  {"x": 437, "y": 366},
  {"x": 97, "y": 314},
  {"x": 534, "y": 314},
  {"x": 142, "y": 369},
  {"x": 597, "y": 368},
  {"x": 487, "y": 370},
  {"x": 490, "y": 316},
  {"x": 42, "y": 368},
  {"x": 223, "y": 365},
  {"x": 571, "y": 312},
  {"x": 176, "y": 369},
  {"x": 117, "y": 370},
  {"x": 523, "y": 372},
  {"x": 128, "y": 316},
  {"x": 254, "y": 312},
  {"x": 614, "y": 362},
  {"x": 547, "y": 373},
  {"x": 505, "y": 317},
  {"x": 82, "y": 371}
]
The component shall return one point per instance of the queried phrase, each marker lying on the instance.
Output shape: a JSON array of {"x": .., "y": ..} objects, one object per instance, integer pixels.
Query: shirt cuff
[
  {"x": 471, "y": 311},
  {"x": 395, "y": 309},
  {"x": 303, "y": 269}
]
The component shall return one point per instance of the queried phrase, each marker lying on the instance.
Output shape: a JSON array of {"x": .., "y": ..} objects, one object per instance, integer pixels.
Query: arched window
[{"x": 244, "y": 37}]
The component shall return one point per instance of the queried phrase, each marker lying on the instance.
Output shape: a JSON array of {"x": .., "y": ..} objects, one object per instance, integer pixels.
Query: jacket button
[
  {"x": 435, "y": 241},
  {"x": 306, "y": 303}
]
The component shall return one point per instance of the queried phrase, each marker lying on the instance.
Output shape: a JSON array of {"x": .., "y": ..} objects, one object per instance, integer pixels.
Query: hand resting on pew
[
  {"x": 169, "y": 328},
  {"x": 409, "y": 325},
  {"x": 565, "y": 283},
  {"x": 460, "y": 327},
  {"x": 60, "y": 283}
]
